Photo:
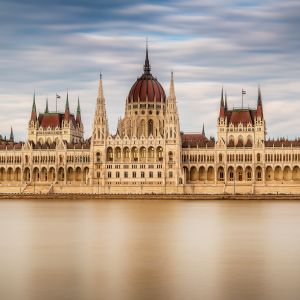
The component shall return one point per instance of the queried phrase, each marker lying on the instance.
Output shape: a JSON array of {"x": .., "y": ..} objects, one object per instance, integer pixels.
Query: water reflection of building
[{"x": 149, "y": 153}]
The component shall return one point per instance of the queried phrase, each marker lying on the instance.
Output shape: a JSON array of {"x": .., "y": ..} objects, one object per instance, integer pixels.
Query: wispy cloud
[{"x": 60, "y": 45}]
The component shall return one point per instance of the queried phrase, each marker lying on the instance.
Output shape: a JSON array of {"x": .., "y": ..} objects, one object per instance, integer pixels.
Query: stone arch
[
  {"x": 240, "y": 140},
  {"x": 36, "y": 174},
  {"x": 44, "y": 174},
  {"x": 151, "y": 152},
  {"x": 186, "y": 174},
  {"x": 239, "y": 173},
  {"x": 143, "y": 153},
  {"x": 109, "y": 154},
  {"x": 170, "y": 156},
  {"x": 296, "y": 173},
  {"x": 2, "y": 174},
  {"x": 194, "y": 174},
  {"x": 278, "y": 174},
  {"x": 248, "y": 173},
  {"x": 134, "y": 154},
  {"x": 126, "y": 154},
  {"x": 41, "y": 140},
  {"x": 70, "y": 174},
  {"x": 258, "y": 173},
  {"x": 49, "y": 141},
  {"x": 287, "y": 173},
  {"x": 150, "y": 127},
  {"x": 269, "y": 174},
  {"x": 159, "y": 153},
  {"x": 51, "y": 174},
  {"x": 61, "y": 174},
  {"x": 220, "y": 174},
  {"x": 230, "y": 174},
  {"x": 210, "y": 174},
  {"x": 202, "y": 173},
  {"x": 117, "y": 155},
  {"x": 86, "y": 174},
  {"x": 10, "y": 174},
  {"x": 17, "y": 174},
  {"x": 26, "y": 175},
  {"x": 78, "y": 174}
]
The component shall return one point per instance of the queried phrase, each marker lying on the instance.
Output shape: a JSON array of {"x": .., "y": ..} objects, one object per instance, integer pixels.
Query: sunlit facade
[{"x": 149, "y": 153}]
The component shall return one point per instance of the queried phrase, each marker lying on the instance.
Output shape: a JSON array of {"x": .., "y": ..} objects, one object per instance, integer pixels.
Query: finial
[{"x": 147, "y": 67}]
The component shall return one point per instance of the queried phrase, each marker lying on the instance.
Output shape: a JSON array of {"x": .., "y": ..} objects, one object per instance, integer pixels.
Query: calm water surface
[{"x": 149, "y": 250}]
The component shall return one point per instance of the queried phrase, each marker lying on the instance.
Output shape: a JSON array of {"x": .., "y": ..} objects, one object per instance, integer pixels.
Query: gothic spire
[
  {"x": 47, "y": 109},
  {"x": 222, "y": 108},
  {"x": 78, "y": 115},
  {"x": 147, "y": 67},
  {"x": 259, "y": 100},
  {"x": 259, "y": 109},
  {"x": 226, "y": 106},
  {"x": 11, "y": 137},
  {"x": 222, "y": 98},
  {"x": 67, "y": 109},
  {"x": 172, "y": 89},
  {"x": 203, "y": 130},
  {"x": 33, "y": 110}
]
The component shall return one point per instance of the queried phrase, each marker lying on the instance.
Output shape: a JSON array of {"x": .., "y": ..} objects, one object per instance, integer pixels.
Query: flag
[
  {"x": 243, "y": 92},
  {"x": 57, "y": 96}
]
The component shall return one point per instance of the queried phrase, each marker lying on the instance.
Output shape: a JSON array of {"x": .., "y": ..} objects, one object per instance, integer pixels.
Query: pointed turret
[
  {"x": 67, "y": 109},
  {"x": 147, "y": 67},
  {"x": 78, "y": 113},
  {"x": 172, "y": 89},
  {"x": 11, "y": 137},
  {"x": 226, "y": 106},
  {"x": 33, "y": 110},
  {"x": 203, "y": 130},
  {"x": 259, "y": 110},
  {"x": 222, "y": 107},
  {"x": 100, "y": 128},
  {"x": 46, "y": 109}
]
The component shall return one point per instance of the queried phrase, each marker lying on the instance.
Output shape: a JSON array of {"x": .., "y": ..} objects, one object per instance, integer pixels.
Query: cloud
[{"x": 60, "y": 45}]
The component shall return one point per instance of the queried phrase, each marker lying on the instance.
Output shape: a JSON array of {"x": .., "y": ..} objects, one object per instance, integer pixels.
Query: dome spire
[{"x": 147, "y": 67}]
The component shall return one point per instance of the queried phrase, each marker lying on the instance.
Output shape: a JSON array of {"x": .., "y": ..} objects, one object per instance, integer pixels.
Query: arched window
[
  {"x": 150, "y": 127},
  {"x": 258, "y": 157}
]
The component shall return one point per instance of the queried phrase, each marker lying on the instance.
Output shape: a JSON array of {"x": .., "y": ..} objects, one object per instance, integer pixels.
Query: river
[{"x": 149, "y": 250}]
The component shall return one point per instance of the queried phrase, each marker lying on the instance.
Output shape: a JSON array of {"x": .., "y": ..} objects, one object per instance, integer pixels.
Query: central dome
[{"x": 147, "y": 88}]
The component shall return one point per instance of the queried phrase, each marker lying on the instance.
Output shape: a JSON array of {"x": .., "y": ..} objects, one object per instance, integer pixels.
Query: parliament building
[{"x": 148, "y": 153}]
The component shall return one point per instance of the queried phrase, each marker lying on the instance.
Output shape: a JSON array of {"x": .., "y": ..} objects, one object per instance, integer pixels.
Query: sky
[{"x": 62, "y": 46}]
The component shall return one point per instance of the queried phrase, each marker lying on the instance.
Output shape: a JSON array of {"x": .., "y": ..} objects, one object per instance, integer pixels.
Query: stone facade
[{"x": 149, "y": 153}]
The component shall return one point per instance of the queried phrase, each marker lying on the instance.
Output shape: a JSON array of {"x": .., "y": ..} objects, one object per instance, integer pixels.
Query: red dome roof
[{"x": 147, "y": 88}]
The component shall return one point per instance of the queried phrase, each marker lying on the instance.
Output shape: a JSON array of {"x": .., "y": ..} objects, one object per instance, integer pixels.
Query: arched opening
[
  {"x": 143, "y": 154},
  {"x": 17, "y": 174},
  {"x": 86, "y": 173},
  {"x": 150, "y": 127},
  {"x": 134, "y": 154},
  {"x": 117, "y": 154},
  {"x": 269, "y": 174},
  {"x": 296, "y": 173},
  {"x": 186, "y": 174},
  {"x": 44, "y": 176},
  {"x": 78, "y": 174},
  {"x": 194, "y": 174},
  {"x": 159, "y": 154},
  {"x": 26, "y": 175},
  {"x": 278, "y": 173},
  {"x": 220, "y": 174},
  {"x": 9, "y": 174},
  {"x": 126, "y": 154},
  {"x": 70, "y": 174},
  {"x": 61, "y": 174},
  {"x": 142, "y": 128},
  {"x": 258, "y": 174},
  {"x": 239, "y": 174},
  {"x": 51, "y": 174},
  {"x": 151, "y": 153},
  {"x": 220, "y": 157},
  {"x": 98, "y": 157},
  {"x": 170, "y": 155},
  {"x": 2, "y": 174},
  {"x": 36, "y": 174},
  {"x": 230, "y": 174},
  {"x": 210, "y": 174},
  {"x": 248, "y": 173},
  {"x": 287, "y": 173},
  {"x": 202, "y": 174},
  {"x": 109, "y": 154}
]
